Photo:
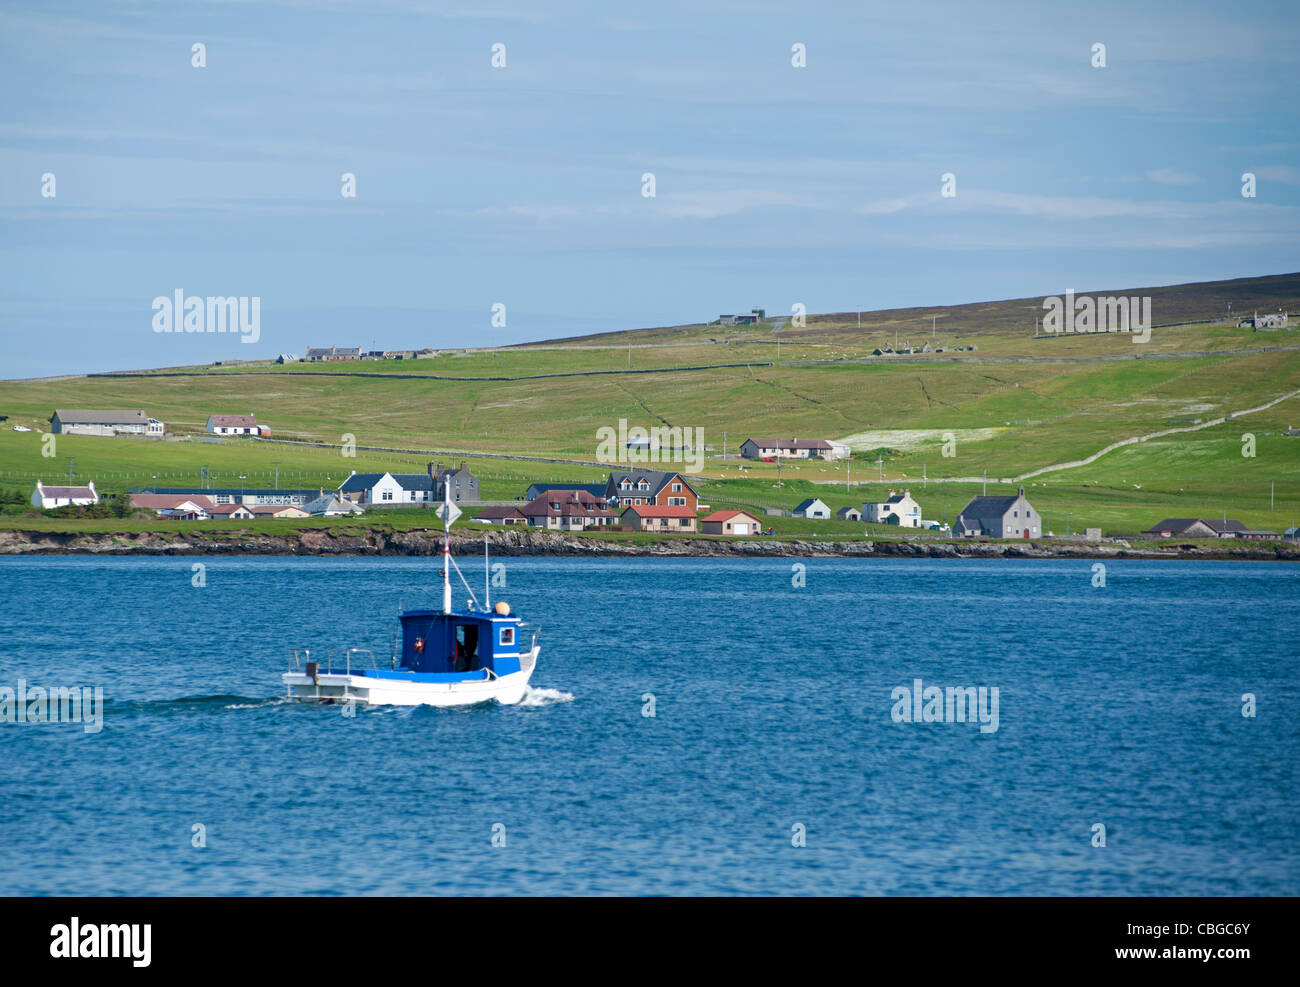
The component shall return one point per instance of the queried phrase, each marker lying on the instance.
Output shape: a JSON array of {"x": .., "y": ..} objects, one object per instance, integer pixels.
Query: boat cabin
[{"x": 461, "y": 641}]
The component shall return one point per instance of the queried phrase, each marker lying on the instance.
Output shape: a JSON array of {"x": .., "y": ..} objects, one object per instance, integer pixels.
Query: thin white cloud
[{"x": 1171, "y": 176}]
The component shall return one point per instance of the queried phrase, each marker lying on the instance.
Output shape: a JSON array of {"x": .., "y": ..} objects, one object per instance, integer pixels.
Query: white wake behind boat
[{"x": 447, "y": 657}]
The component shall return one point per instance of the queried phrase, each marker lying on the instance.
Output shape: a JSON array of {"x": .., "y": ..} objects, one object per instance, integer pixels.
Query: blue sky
[{"x": 522, "y": 185}]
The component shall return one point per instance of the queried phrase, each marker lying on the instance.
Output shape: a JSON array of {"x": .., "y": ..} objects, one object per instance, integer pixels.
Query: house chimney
[{"x": 432, "y": 473}]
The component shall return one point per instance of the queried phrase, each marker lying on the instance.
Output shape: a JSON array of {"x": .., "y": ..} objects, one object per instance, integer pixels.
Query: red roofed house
[
  {"x": 234, "y": 425},
  {"x": 652, "y": 517},
  {"x": 48, "y": 497},
  {"x": 235, "y": 512},
  {"x": 568, "y": 510},
  {"x": 177, "y": 507},
  {"x": 731, "y": 523}
]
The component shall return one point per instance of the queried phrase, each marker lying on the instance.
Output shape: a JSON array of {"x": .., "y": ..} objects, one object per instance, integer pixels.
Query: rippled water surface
[{"x": 1119, "y": 705}]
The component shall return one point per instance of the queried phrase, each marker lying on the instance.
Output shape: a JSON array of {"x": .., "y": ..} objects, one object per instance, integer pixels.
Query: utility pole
[
  {"x": 880, "y": 464},
  {"x": 859, "y": 316},
  {"x": 277, "y": 476},
  {"x": 724, "y": 447},
  {"x": 1270, "y": 495},
  {"x": 923, "y": 479},
  {"x": 986, "y": 482},
  {"x": 932, "y": 324}
]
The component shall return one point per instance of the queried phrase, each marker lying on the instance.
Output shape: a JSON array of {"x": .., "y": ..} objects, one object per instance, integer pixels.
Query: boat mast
[
  {"x": 448, "y": 512},
  {"x": 487, "y": 581}
]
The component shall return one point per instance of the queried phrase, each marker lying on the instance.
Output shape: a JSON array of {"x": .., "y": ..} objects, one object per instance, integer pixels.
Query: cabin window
[{"x": 507, "y": 636}]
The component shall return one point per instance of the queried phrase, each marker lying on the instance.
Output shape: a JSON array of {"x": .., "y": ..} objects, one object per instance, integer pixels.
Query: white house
[
  {"x": 331, "y": 505},
  {"x": 390, "y": 489},
  {"x": 761, "y": 448},
  {"x": 899, "y": 509},
  {"x": 812, "y": 508},
  {"x": 233, "y": 425},
  {"x": 49, "y": 497}
]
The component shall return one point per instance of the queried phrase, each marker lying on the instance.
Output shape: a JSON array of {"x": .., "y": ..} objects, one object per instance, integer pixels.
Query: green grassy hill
[{"x": 1013, "y": 405}]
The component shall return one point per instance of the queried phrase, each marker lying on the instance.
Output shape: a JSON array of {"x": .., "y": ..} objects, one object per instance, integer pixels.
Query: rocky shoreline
[{"x": 379, "y": 541}]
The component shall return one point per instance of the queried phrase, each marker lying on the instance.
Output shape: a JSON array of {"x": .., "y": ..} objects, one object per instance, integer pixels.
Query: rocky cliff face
[{"x": 530, "y": 541}]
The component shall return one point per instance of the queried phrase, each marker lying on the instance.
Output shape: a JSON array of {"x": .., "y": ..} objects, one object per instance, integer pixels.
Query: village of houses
[{"x": 628, "y": 500}]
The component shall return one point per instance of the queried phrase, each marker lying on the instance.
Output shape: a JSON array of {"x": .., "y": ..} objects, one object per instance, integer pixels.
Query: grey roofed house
[
  {"x": 537, "y": 489},
  {"x": 812, "y": 508},
  {"x": 360, "y": 481},
  {"x": 1184, "y": 527},
  {"x": 999, "y": 517},
  {"x": 849, "y": 514},
  {"x": 133, "y": 421},
  {"x": 330, "y": 504},
  {"x": 644, "y": 484},
  {"x": 1225, "y": 528}
]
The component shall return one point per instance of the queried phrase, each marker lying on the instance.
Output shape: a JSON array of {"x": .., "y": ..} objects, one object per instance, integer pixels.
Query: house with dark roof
[
  {"x": 635, "y": 488},
  {"x": 537, "y": 489},
  {"x": 999, "y": 517},
  {"x": 731, "y": 522},
  {"x": 397, "y": 489},
  {"x": 568, "y": 510},
  {"x": 1191, "y": 527},
  {"x": 813, "y": 508},
  {"x": 653, "y": 517},
  {"x": 766, "y": 448},
  {"x": 848, "y": 514},
  {"x": 898, "y": 508}
]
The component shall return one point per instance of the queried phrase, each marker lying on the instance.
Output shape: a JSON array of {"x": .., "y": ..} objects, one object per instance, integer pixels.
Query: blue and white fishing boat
[{"x": 447, "y": 658}]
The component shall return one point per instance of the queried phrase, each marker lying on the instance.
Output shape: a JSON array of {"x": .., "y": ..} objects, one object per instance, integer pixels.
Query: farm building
[
  {"x": 332, "y": 354},
  {"x": 849, "y": 514}
]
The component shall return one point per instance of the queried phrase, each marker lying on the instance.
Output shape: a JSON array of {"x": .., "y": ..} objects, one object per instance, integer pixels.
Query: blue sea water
[{"x": 1119, "y": 705}]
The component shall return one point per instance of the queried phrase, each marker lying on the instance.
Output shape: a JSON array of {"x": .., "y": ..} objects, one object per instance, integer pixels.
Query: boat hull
[{"x": 342, "y": 687}]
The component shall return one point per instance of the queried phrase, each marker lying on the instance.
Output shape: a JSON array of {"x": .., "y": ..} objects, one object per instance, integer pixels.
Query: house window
[
  {"x": 684, "y": 522},
  {"x": 677, "y": 487},
  {"x": 676, "y": 501},
  {"x": 386, "y": 495}
]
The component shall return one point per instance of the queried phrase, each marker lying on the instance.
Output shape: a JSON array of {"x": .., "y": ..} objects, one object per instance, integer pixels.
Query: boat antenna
[
  {"x": 487, "y": 582},
  {"x": 447, "y": 513}
]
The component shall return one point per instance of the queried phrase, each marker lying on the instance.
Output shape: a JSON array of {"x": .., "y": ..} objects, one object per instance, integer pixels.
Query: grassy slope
[{"x": 1030, "y": 414}]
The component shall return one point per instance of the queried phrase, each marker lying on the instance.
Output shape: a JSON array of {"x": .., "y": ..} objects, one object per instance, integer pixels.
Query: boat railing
[{"x": 342, "y": 657}]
